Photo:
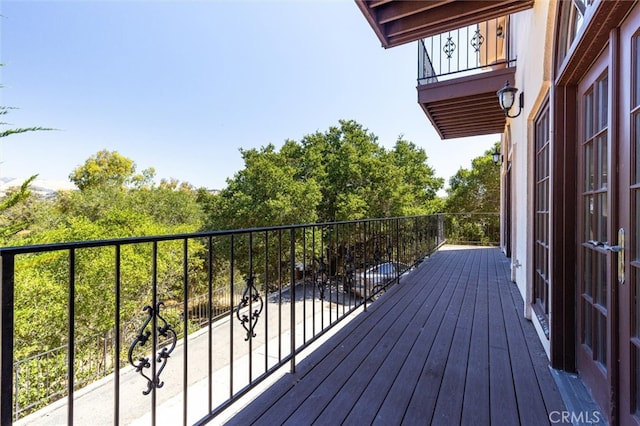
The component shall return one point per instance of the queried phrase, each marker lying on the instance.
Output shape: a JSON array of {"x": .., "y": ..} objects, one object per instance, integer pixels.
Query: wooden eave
[
  {"x": 466, "y": 106},
  {"x": 396, "y": 22},
  {"x": 593, "y": 36}
]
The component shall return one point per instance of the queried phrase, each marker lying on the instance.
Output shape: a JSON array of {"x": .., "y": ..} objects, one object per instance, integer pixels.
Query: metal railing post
[
  {"x": 292, "y": 291},
  {"x": 6, "y": 338},
  {"x": 71, "y": 359},
  {"x": 116, "y": 352}
]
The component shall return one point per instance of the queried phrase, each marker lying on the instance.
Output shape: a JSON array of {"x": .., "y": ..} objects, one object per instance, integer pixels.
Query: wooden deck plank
[
  {"x": 374, "y": 394},
  {"x": 364, "y": 392},
  {"x": 502, "y": 391},
  {"x": 527, "y": 391},
  {"x": 356, "y": 369},
  {"x": 397, "y": 400},
  {"x": 296, "y": 395},
  {"x": 425, "y": 395},
  {"x": 548, "y": 388},
  {"x": 448, "y": 346},
  {"x": 277, "y": 392},
  {"x": 476, "y": 404},
  {"x": 378, "y": 318},
  {"x": 448, "y": 409}
]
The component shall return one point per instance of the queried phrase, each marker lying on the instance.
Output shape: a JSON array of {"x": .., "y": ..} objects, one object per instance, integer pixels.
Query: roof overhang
[
  {"x": 466, "y": 106},
  {"x": 396, "y": 22}
]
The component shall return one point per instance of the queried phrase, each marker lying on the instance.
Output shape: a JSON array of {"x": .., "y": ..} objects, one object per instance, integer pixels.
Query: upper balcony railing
[
  {"x": 480, "y": 47},
  {"x": 109, "y": 329}
]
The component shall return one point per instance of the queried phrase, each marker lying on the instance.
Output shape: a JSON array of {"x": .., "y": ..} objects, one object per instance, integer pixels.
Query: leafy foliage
[
  {"x": 478, "y": 189},
  {"x": 266, "y": 193},
  {"x": 474, "y": 202},
  {"x": 340, "y": 174},
  {"x": 108, "y": 168},
  {"x": 4, "y": 110},
  {"x": 15, "y": 210}
]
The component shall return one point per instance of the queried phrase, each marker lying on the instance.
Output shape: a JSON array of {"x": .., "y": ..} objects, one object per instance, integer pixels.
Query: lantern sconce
[
  {"x": 507, "y": 97},
  {"x": 496, "y": 157}
]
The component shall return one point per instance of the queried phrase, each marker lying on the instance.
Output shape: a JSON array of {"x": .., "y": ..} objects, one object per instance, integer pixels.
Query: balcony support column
[{"x": 563, "y": 232}]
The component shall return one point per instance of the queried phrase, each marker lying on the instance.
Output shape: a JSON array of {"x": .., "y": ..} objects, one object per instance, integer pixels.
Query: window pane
[
  {"x": 587, "y": 284},
  {"x": 637, "y": 380},
  {"x": 546, "y": 195},
  {"x": 603, "y": 159},
  {"x": 586, "y": 324},
  {"x": 636, "y": 305},
  {"x": 589, "y": 233},
  {"x": 636, "y": 226},
  {"x": 601, "y": 350},
  {"x": 588, "y": 167},
  {"x": 603, "y": 104},
  {"x": 541, "y": 202},
  {"x": 636, "y": 146},
  {"x": 601, "y": 276},
  {"x": 588, "y": 115},
  {"x": 601, "y": 218},
  {"x": 636, "y": 71}
]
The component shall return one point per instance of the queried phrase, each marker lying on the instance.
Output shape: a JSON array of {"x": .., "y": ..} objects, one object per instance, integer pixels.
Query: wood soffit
[
  {"x": 466, "y": 106},
  {"x": 593, "y": 37},
  {"x": 397, "y": 22}
]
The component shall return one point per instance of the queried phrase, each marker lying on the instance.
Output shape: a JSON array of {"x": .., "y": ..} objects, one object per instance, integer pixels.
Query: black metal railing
[
  {"x": 481, "y": 46},
  {"x": 39, "y": 383},
  {"x": 282, "y": 288}
]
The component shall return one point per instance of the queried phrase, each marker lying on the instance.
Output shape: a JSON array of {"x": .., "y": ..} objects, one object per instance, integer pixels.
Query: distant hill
[{"x": 44, "y": 187}]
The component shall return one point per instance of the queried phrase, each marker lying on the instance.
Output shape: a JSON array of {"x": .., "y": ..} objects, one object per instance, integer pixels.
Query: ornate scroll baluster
[
  {"x": 477, "y": 40},
  {"x": 250, "y": 295},
  {"x": 449, "y": 47},
  {"x": 166, "y": 331}
]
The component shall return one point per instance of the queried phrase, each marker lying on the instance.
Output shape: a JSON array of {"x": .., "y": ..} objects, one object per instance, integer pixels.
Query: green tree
[
  {"x": 359, "y": 178},
  {"x": 477, "y": 189},
  {"x": 340, "y": 174},
  {"x": 100, "y": 211},
  {"x": 416, "y": 188},
  {"x": 265, "y": 193},
  {"x": 109, "y": 168},
  {"x": 12, "y": 219}
]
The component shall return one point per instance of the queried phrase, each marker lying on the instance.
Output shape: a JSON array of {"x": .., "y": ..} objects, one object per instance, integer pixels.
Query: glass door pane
[{"x": 595, "y": 202}]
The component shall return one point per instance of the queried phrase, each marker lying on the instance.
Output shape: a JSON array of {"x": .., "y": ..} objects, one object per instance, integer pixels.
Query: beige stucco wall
[{"x": 533, "y": 31}]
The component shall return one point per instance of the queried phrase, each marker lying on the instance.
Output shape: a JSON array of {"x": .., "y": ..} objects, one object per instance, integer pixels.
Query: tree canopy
[
  {"x": 109, "y": 168},
  {"x": 340, "y": 174},
  {"x": 477, "y": 189}
]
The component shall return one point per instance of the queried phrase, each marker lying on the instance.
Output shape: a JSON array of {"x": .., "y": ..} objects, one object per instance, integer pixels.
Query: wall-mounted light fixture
[
  {"x": 496, "y": 156},
  {"x": 507, "y": 97}
]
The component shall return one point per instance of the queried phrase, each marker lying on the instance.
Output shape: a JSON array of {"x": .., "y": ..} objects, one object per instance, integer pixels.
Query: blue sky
[{"x": 181, "y": 86}]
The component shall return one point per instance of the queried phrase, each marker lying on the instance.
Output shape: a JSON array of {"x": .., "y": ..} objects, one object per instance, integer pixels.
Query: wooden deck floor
[{"x": 447, "y": 346}]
